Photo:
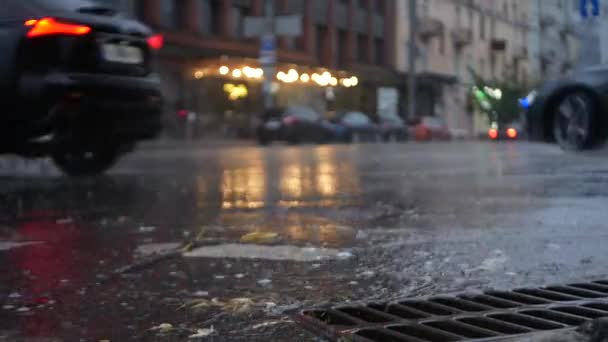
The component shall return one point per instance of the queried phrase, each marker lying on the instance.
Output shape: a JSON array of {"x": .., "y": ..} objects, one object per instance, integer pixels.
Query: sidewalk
[{"x": 165, "y": 143}]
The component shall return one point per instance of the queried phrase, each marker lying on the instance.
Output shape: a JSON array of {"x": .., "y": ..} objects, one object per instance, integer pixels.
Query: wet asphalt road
[{"x": 101, "y": 259}]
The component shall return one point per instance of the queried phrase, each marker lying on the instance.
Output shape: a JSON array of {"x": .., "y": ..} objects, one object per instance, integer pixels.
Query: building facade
[
  {"x": 345, "y": 51},
  {"x": 520, "y": 41},
  {"x": 554, "y": 42}
]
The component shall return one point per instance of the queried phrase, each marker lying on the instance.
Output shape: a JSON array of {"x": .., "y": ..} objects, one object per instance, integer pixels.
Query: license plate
[
  {"x": 273, "y": 125},
  {"x": 118, "y": 53}
]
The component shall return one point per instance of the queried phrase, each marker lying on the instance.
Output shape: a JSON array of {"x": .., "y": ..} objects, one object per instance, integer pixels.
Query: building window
[
  {"x": 379, "y": 51},
  {"x": 458, "y": 17},
  {"x": 482, "y": 26},
  {"x": 505, "y": 9},
  {"x": 169, "y": 14},
  {"x": 361, "y": 48},
  {"x": 210, "y": 17},
  {"x": 425, "y": 8},
  {"x": 342, "y": 54},
  {"x": 321, "y": 38},
  {"x": 362, "y": 3},
  {"x": 140, "y": 10},
  {"x": 238, "y": 13},
  {"x": 441, "y": 43},
  {"x": 379, "y": 6}
]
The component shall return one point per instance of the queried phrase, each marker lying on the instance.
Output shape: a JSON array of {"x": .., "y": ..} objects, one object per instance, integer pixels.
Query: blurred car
[
  {"x": 294, "y": 125},
  {"x": 392, "y": 128},
  {"x": 355, "y": 127},
  {"x": 76, "y": 83},
  {"x": 510, "y": 131},
  {"x": 571, "y": 111},
  {"x": 431, "y": 128}
]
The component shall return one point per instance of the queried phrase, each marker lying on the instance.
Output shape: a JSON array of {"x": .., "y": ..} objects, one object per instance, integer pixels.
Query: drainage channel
[{"x": 480, "y": 317}]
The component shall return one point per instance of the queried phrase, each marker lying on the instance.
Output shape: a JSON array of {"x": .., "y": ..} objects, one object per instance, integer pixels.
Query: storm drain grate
[{"x": 486, "y": 316}]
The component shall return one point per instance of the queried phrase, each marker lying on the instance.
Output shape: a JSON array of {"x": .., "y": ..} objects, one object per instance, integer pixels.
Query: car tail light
[
  {"x": 290, "y": 120},
  {"x": 493, "y": 133},
  {"x": 182, "y": 113},
  {"x": 512, "y": 133},
  {"x": 156, "y": 41},
  {"x": 51, "y": 26}
]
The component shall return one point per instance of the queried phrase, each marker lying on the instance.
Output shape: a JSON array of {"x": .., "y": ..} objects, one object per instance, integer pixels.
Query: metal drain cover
[{"x": 486, "y": 316}]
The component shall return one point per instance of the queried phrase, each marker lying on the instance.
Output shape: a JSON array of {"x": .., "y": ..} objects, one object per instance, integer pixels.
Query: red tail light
[
  {"x": 50, "y": 26},
  {"x": 493, "y": 133},
  {"x": 512, "y": 133},
  {"x": 290, "y": 120},
  {"x": 156, "y": 41}
]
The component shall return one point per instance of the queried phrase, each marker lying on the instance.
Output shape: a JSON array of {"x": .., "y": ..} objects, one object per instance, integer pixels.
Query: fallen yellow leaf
[{"x": 259, "y": 237}]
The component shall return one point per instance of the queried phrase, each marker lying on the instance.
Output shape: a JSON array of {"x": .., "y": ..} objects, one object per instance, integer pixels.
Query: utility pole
[
  {"x": 268, "y": 53},
  {"x": 267, "y": 28},
  {"x": 412, "y": 53}
]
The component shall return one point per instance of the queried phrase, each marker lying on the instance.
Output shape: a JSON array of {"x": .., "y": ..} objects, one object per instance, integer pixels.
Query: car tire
[
  {"x": 263, "y": 140},
  {"x": 293, "y": 140},
  {"x": 85, "y": 163},
  {"x": 573, "y": 121}
]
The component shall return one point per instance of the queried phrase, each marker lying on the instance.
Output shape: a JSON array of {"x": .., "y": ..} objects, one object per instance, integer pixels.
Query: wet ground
[{"x": 224, "y": 244}]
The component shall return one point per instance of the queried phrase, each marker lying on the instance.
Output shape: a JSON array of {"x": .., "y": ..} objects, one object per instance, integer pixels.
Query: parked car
[
  {"x": 392, "y": 128},
  {"x": 431, "y": 128},
  {"x": 571, "y": 111},
  {"x": 355, "y": 127},
  {"x": 294, "y": 125},
  {"x": 76, "y": 83}
]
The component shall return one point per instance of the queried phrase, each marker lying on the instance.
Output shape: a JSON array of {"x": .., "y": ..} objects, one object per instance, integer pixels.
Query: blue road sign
[
  {"x": 268, "y": 43},
  {"x": 595, "y": 8}
]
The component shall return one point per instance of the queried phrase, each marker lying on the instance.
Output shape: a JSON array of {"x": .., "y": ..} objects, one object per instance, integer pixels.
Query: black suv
[{"x": 76, "y": 83}]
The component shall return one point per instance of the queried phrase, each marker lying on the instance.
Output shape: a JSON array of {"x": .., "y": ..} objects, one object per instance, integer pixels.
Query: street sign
[
  {"x": 593, "y": 5},
  {"x": 284, "y": 25},
  {"x": 267, "y": 28},
  {"x": 268, "y": 52}
]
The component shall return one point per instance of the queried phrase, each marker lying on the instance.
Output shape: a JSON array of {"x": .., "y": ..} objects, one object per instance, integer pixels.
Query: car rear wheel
[
  {"x": 572, "y": 122},
  {"x": 85, "y": 162}
]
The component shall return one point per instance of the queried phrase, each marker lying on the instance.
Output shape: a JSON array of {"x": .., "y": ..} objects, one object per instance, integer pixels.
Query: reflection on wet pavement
[{"x": 341, "y": 223}]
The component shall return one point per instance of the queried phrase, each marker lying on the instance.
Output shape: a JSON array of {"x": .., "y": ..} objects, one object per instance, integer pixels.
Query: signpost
[
  {"x": 267, "y": 28},
  {"x": 593, "y": 5}
]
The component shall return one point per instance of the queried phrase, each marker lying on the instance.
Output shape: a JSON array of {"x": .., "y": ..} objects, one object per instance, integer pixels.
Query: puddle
[
  {"x": 156, "y": 248},
  {"x": 275, "y": 253},
  {"x": 6, "y": 245}
]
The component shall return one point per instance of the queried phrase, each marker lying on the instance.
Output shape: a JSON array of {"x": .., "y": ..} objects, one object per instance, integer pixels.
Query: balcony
[
  {"x": 429, "y": 28},
  {"x": 567, "y": 29},
  {"x": 547, "y": 20},
  {"x": 462, "y": 37},
  {"x": 520, "y": 52},
  {"x": 547, "y": 57},
  {"x": 498, "y": 44}
]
